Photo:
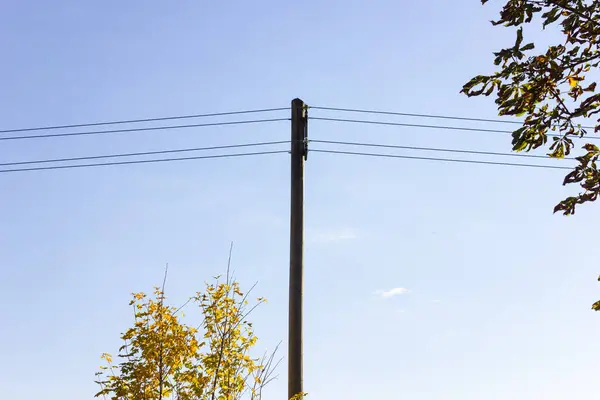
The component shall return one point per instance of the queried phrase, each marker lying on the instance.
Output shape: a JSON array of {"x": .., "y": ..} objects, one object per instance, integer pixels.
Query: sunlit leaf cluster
[
  {"x": 163, "y": 358},
  {"x": 552, "y": 88}
]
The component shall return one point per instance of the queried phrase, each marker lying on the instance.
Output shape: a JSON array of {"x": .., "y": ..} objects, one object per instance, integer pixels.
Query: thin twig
[
  {"x": 161, "y": 351},
  {"x": 184, "y": 304},
  {"x": 164, "y": 281},
  {"x": 226, "y": 332},
  {"x": 229, "y": 262}
]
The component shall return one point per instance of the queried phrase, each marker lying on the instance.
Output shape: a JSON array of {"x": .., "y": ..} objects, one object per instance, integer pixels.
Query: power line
[
  {"x": 145, "y": 153},
  {"x": 133, "y": 121},
  {"x": 438, "y": 159},
  {"x": 389, "y": 146},
  {"x": 142, "y": 161},
  {"x": 155, "y": 128},
  {"x": 455, "y": 128},
  {"x": 402, "y": 114},
  {"x": 361, "y": 121}
]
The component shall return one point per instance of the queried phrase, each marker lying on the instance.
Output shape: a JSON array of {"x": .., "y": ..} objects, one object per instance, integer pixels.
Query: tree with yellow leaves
[{"x": 164, "y": 359}]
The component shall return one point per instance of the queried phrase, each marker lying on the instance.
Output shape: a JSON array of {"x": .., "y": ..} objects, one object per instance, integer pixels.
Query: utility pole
[{"x": 299, "y": 147}]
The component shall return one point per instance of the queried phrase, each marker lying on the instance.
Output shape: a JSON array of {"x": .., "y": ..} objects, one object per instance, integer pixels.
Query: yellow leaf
[
  {"x": 107, "y": 357},
  {"x": 572, "y": 82},
  {"x": 159, "y": 338}
]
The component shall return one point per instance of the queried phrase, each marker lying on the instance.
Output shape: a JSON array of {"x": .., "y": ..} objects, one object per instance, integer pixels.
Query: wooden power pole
[{"x": 299, "y": 153}]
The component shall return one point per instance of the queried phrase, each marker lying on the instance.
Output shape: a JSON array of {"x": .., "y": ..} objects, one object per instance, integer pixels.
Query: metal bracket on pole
[{"x": 305, "y": 117}]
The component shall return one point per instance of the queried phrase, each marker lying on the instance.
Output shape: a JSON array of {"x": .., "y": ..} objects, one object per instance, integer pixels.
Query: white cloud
[{"x": 392, "y": 292}]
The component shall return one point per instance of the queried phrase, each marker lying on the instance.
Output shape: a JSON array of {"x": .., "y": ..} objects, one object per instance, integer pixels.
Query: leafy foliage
[
  {"x": 163, "y": 358},
  {"x": 549, "y": 87}
]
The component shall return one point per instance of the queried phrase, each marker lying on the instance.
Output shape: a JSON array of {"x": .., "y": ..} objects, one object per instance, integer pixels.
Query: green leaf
[
  {"x": 559, "y": 151},
  {"x": 520, "y": 146},
  {"x": 519, "y": 38},
  {"x": 590, "y": 88},
  {"x": 548, "y": 88},
  {"x": 551, "y": 16},
  {"x": 528, "y": 46}
]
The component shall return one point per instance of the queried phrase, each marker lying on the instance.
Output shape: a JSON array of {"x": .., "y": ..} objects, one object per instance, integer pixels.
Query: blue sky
[{"x": 499, "y": 289}]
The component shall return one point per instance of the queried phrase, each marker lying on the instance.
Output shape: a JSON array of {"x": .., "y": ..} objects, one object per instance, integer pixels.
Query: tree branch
[
  {"x": 161, "y": 350},
  {"x": 547, "y": 3}
]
